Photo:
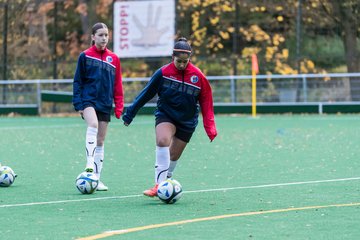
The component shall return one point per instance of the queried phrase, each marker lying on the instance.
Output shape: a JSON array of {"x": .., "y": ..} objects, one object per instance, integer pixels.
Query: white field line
[
  {"x": 193, "y": 191},
  {"x": 67, "y": 201},
  {"x": 276, "y": 185}
]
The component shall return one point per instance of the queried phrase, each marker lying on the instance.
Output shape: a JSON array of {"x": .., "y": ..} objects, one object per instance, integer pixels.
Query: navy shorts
[{"x": 181, "y": 133}]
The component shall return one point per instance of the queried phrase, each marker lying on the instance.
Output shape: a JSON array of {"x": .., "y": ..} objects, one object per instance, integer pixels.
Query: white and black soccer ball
[
  {"x": 86, "y": 182},
  {"x": 7, "y": 176},
  {"x": 169, "y": 191}
]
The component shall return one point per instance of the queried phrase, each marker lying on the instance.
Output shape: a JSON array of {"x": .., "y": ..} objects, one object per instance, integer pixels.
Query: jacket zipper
[
  {"x": 183, "y": 81},
  {"x": 102, "y": 63}
]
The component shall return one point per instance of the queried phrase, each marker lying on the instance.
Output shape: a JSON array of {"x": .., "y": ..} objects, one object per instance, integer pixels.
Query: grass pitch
[{"x": 272, "y": 177}]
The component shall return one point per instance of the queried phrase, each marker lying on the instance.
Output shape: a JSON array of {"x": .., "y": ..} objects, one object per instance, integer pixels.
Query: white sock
[
  {"x": 162, "y": 163},
  {"x": 91, "y": 137},
  {"x": 98, "y": 159},
  {"x": 171, "y": 168}
]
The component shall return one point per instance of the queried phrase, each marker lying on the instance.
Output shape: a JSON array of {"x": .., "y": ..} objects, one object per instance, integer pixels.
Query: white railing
[{"x": 227, "y": 90}]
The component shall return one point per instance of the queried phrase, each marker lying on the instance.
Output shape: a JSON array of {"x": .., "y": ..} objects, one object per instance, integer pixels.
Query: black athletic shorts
[
  {"x": 104, "y": 117},
  {"x": 181, "y": 133}
]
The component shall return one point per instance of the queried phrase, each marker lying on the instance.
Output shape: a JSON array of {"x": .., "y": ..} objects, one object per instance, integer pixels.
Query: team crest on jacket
[
  {"x": 109, "y": 59},
  {"x": 194, "y": 79}
]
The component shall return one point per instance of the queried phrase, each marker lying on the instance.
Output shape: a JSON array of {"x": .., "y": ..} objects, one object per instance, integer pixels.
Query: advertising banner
[{"x": 144, "y": 28}]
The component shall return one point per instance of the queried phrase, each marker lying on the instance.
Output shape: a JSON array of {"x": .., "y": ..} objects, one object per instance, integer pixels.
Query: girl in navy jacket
[
  {"x": 97, "y": 85},
  {"x": 181, "y": 88}
]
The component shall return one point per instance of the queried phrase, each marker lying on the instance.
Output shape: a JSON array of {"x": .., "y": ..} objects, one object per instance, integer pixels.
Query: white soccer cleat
[
  {"x": 90, "y": 166},
  {"x": 101, "y": 187}
]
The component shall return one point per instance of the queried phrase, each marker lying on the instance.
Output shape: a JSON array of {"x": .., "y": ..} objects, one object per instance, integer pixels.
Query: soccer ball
[
  {"x": 169, "y": 191},
  {"x": 86, "y": 182},
  {"x": 7, "y": 176}
]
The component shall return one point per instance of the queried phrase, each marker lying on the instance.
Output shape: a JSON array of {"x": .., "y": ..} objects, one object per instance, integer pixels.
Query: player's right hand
[{"x": 126, "y": 119}]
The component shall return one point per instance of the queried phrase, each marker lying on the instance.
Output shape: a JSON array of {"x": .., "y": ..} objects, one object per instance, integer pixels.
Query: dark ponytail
[{"x": 182, "y": 46}]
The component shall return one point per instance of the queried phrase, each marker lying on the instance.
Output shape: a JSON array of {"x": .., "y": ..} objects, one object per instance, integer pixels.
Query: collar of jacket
[
  {"x": 94, "y": 48},
  {"x": 189, "y": 67}
]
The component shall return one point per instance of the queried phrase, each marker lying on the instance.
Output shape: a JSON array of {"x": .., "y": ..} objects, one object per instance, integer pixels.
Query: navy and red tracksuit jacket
[
  {"x": 179, "y": 94},
  {"x": 98, "y": 82}
]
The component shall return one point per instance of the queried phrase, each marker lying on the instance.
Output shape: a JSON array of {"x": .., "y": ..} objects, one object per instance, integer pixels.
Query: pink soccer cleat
[{"x": 152, "y": 192}]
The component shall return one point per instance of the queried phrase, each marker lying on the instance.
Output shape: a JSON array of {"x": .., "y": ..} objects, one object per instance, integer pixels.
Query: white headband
[{"x": 181, "y": 50}]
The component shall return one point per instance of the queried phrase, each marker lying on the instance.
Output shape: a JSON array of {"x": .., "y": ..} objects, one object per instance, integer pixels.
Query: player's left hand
[{"x": 212, "y": 136}]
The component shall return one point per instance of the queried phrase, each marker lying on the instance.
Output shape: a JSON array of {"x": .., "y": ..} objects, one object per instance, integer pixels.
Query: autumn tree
[
  {"x": 224, "y": 33},
  {"x": 344, "y": 14},
  {"x": 264, "y": 28}
]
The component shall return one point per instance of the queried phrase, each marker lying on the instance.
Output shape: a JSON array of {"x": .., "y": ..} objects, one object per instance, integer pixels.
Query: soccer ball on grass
[
  {"x": 169, "y": 191},
  {"x": 86, "y": 182},
  {"x": 7, "y": 176}
]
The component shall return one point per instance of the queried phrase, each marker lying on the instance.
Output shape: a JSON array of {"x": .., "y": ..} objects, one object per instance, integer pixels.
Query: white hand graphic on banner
[{"x": 150, "y": 34}]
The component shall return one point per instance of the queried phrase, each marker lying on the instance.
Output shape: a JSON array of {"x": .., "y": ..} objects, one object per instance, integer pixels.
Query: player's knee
[
  {"x": 93, "y": 124},
  {"x": 163, "y": 142}
]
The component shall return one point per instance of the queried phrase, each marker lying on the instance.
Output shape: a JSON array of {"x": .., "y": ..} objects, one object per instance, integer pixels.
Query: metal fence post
[
  {"x": 320, "y": 108},
  {"x": 38, "y": 92},
  {"x": 304, "y": 82},
  {"x": 232, "y": 89}
]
